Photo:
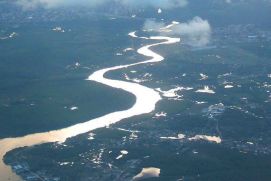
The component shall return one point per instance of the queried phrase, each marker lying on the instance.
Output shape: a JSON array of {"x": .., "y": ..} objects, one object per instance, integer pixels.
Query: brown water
[{"x": 146, "y": 98}]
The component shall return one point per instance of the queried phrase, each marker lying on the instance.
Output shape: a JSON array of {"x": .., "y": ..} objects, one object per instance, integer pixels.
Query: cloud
[
  {"x": 196, "y": 32},
  {"x": 166, "y": 4},
  {"x": 31, "y": 4},
  {"x": 151, "y": 25}
]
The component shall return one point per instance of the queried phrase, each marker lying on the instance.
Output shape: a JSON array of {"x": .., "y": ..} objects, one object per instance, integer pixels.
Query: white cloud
[
  {"x": 166, "y": 4},
  {"x": 228, "y": 1},
  {"x": 152, "y": 25},
  {"x": 30, "y": 4},
  {"x": 196, "y": 32}
]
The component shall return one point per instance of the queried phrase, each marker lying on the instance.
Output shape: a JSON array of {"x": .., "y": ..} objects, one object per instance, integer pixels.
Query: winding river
[{"x": 146, "y": 99}]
